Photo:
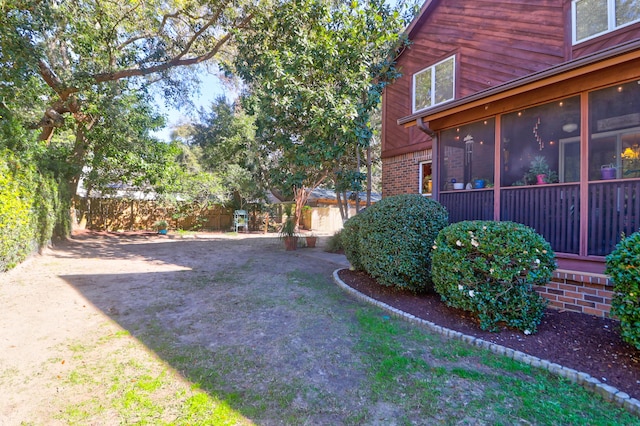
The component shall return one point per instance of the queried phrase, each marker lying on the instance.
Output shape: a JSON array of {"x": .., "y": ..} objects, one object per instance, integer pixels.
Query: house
[{"x": 494, "y": 94}]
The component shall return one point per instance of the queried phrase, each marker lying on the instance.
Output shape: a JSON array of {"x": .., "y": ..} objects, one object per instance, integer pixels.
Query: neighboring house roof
[{"x": 597, "y": 61}]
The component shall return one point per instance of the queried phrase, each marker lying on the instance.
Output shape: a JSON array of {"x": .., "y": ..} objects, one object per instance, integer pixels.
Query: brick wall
[
  {"x": 401, "y": 174},
  {"x": 579, "y": 292}
]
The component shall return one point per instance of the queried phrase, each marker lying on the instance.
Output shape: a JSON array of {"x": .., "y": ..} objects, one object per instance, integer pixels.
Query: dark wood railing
[
  {"x": 552, "y": 210},
  {"x": 468, "y": 205},
  {"x": 614, "y": 209}
]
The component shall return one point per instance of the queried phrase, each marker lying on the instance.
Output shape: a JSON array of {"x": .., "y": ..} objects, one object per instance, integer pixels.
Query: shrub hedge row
[
  {"x": 29, "y": 209},
  {"x": 485, "y": 267}
]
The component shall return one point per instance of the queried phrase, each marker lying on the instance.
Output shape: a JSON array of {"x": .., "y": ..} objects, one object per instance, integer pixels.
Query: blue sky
[{"x": 210, "y": 88}]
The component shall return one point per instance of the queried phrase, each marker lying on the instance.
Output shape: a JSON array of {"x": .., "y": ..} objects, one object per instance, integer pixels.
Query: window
[
  {"x": 468, "y": 156},
  {"x": 426, "y": 181},
  {"x": 434, "y": 85},
  {"x": 592, "y": 18},
  {"x": 542, "y": 140},
  {"x": 614, "y": 136}
]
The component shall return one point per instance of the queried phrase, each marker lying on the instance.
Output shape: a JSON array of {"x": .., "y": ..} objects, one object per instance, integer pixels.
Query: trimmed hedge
[
  {"x": 29, "y": 209},
  {"x": 623, "y": 267},
  {"x": 490, "y": 268},
  {"x": 392, "y": 239}
]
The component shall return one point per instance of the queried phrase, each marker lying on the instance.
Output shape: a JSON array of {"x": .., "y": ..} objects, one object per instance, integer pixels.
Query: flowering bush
[
  {"x": 623, "y": 266},
  {"x": 392, "y": 240},
  {"x": 490, "y": 268}
]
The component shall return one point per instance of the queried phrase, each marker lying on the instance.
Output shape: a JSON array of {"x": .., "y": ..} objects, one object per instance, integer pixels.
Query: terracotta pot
[
  {"x": 311, "y": 241},
  {"x": 290, "y": 243}
]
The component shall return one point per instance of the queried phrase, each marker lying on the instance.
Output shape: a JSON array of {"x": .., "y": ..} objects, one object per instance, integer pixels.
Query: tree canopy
[{"x": 315, "y": 71}]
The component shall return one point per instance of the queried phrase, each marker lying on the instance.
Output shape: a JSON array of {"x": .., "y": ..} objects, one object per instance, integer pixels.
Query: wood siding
[
  {"x": 606, "y": 41},
  {"x": 494, "y": 42}
]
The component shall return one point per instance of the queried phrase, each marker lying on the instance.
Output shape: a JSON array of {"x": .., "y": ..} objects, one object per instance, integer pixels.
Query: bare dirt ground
[{"x": 63, "y": 310}]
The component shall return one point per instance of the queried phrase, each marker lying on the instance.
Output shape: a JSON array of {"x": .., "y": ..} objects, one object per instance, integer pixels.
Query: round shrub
[
  {"x": 395, "y": 236},
  {"x": 490, "y": 268},
  {"x": 623, "y": 266}
]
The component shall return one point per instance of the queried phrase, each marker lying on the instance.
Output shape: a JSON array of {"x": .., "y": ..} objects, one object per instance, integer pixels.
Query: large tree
[
  {"x": 85, "y": 53},
  {"x": 315, "y": 71}
]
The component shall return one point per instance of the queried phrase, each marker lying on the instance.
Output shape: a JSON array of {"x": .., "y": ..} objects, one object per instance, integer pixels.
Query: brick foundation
[{"x": 579, "y": 292}]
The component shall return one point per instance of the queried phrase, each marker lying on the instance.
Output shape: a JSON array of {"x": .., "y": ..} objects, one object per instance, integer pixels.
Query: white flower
[
  {"x": 472, "y": 293},
  {"x": 434, "y": 247},
  {"x": 491, "y": 271},
  {"x": 460, "y": 287},
  {"x": 475, "y": 243},
  {"x": 537, "y": 261},
  {"x": 527, "y": 332},
  {"x": 459, "y": 243},
  {"x": 525, "y": 252},
  {"x": 484, "y": 228}
]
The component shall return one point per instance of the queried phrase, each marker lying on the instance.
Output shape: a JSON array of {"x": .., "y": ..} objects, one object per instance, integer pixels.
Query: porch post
[
  {"x": 584, "y": 174},
  {"x": 497, "y": 168}
]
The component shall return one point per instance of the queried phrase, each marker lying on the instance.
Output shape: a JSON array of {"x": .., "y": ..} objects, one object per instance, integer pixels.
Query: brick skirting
[{"x": 579, "y": 292}]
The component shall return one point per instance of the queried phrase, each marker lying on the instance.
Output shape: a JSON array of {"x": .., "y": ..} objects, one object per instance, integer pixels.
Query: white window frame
[
  {"x": 433, "y": 84},
  {"x": 611, "y": 21},
  {"x": 421, "y": 165}
]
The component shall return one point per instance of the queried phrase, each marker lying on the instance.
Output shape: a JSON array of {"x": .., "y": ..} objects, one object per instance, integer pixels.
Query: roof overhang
[{"x": 557, "y": 74}]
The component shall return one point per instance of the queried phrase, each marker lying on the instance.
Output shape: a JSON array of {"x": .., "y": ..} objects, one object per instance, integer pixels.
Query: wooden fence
[{"x": 121, "y": 214}]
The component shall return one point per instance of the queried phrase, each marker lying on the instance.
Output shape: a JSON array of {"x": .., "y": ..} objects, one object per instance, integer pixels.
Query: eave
[{"x": 557, "y": 74}]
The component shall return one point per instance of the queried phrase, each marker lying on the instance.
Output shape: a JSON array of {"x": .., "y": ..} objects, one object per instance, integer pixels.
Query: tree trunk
[
  {"x": 369, "y": 176},
  {"x": 358, "y": 188}
]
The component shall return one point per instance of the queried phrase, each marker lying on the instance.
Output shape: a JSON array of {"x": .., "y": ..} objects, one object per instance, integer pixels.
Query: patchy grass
[{"x": 274, "y": 341}]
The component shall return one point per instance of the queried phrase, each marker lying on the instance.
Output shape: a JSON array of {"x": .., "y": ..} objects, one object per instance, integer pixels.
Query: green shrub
[
  {"x": 490, "y": 268},
  {"x": 28, "y": 207},
  {"x": 334, "y": 243},
  {"x": 350, "y": 239},
  {"x": 394, "y": 239},
  {"x": 623, "y": 266}
]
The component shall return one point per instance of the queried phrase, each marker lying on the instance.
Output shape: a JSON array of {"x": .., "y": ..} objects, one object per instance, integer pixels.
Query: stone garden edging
[{"x": 608, "y": 392}]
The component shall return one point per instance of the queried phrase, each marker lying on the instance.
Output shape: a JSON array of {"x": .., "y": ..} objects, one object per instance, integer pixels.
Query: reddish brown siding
[
  {"x": 495, "y": 42},
  {"x": 606, "y": 41}
]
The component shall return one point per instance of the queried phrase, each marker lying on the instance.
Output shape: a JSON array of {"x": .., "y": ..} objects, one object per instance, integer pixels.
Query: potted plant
[
  {"x": 311, "y": 240},
  {"x": 540, "y": 172},
  {"x": 288, "y": 234},
  {"x": 161, "y": 226}
]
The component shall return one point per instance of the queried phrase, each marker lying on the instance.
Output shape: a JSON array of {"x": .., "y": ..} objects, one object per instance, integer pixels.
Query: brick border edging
[{"x": 609, "y": 393}]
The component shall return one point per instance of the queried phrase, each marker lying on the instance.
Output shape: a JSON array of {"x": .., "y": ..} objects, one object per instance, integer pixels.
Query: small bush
[
  {"x": 490, "y": 268},
  {"x": 623, "y": 266},
  {"x": 334, "y": 243},
  {"x": 392, "y": 240}
]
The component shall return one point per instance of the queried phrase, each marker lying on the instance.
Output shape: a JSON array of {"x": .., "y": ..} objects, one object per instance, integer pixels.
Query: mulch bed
[{"x": 579, "y": 341}]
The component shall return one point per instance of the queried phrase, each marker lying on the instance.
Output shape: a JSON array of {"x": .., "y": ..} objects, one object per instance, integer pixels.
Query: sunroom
[{"x": 558, "y": 151}]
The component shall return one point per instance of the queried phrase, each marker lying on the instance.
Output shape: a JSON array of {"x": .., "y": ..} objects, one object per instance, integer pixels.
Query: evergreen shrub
[
  {"x": 350, "y": 239},
  {"x": 392, "y": 239},
  {"x": 334, "y": 243},
  {"x": 28, "y": 209},
  {"x": 489, "y": 268},
  {"x": 623, "y": 267}
]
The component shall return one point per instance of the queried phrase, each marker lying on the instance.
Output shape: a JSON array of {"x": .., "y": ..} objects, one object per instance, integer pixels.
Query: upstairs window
[
  {"x": 434, "y": 85},
  {"x": 592, "y": 18}
]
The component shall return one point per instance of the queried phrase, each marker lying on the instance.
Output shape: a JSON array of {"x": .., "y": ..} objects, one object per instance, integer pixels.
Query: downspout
[{"x": 435, "y": 172}]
